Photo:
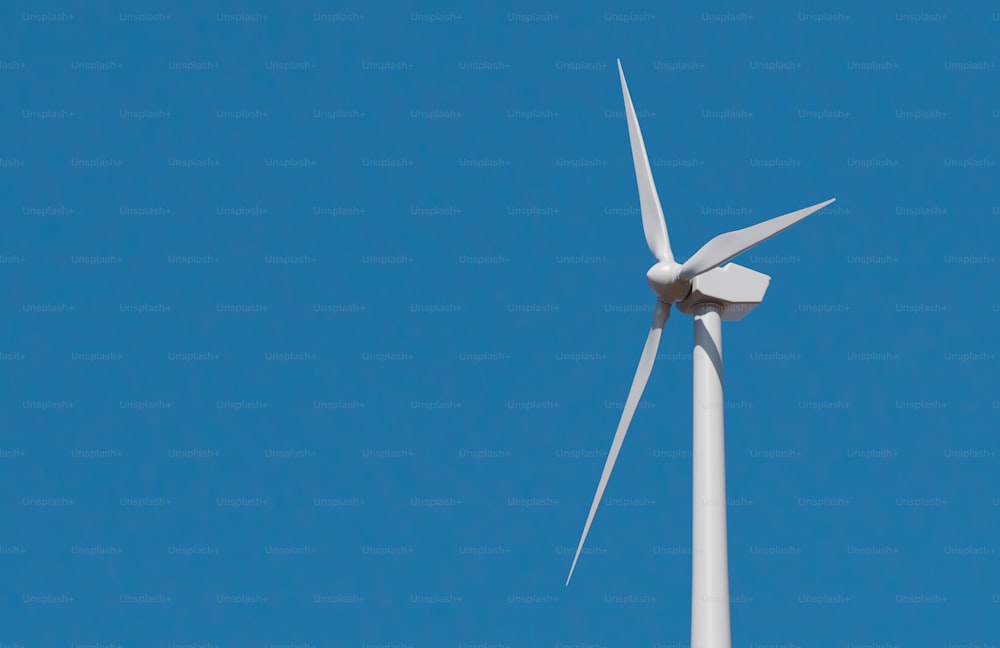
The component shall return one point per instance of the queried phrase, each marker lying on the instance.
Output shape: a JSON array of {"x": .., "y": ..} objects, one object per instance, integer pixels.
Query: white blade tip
[{"x": 570, "y": 577}]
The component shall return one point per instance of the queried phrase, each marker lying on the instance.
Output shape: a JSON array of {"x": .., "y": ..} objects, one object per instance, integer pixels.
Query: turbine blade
[
  {"x": 724, "y": 247},
  {"x": 652, "y": 214},
  {"x": 660, "y": 316}
]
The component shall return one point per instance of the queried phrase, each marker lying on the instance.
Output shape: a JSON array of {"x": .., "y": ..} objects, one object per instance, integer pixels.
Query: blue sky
[{"x": 319, "y": 319}]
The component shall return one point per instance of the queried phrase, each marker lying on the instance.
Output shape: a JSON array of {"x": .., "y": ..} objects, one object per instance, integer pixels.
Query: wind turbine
[{"x": 710, "y": 294}]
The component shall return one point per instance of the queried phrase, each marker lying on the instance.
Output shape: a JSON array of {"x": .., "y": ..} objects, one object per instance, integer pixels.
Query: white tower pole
[{"x": 709, "y": 553}]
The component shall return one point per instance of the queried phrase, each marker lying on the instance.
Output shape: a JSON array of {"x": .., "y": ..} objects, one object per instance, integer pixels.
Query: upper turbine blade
[
  {"x": 660, "y": 316},
  {"x": 649, "y": 202},
  {"x": 724, "y": 247}
]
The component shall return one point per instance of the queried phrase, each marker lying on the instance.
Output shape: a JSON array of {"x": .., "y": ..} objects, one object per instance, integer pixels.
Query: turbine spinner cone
[{"x": 662, "y": 279}]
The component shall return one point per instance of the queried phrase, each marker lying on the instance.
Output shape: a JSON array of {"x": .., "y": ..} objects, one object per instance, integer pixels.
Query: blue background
[{"x": 457, "y": 272}]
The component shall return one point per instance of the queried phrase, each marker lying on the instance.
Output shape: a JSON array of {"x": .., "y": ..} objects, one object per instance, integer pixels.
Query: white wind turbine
[{"x": 711, "y": 294}]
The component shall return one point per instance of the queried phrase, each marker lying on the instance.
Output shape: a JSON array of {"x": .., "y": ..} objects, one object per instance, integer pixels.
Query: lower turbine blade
[
  {"x": 635, "y": 393},
  {"x": 726, "y": 246}
]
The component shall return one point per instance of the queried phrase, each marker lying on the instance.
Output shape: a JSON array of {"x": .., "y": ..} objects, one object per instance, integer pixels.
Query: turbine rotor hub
[{"x": 662, "y": 279}]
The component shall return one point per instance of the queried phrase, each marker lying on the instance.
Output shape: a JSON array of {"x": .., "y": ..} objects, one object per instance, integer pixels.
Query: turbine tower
[{"x": 711, "y": 294}]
